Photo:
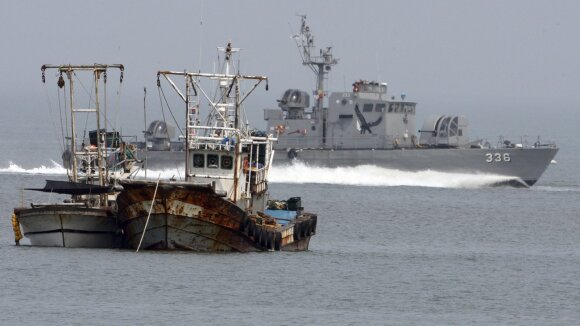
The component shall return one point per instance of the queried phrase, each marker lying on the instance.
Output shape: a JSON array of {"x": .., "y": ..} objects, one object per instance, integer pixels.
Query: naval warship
[{"x": 367, "y": 127}]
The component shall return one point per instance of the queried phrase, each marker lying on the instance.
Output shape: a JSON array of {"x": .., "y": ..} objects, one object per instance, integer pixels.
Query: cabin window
[
  {"x": 380, "y": 107},
  {"x": 227, "y": 162},
  {"x": 344, "y": 116},
  {"x": 198, "y": 161},
  {"x": 368, "y": 107},
  {"x": 212, "y": 161},
  {"x": 460, "y": 132},
  {"x": 394, "y": 107}
]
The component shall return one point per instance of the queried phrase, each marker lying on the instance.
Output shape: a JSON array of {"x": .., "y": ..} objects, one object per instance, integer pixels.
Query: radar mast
[{"x": 320, "y": 65}]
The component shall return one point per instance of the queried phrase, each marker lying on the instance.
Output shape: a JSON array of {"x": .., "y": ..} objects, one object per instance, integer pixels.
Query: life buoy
[{"x": 280, "y": 129}]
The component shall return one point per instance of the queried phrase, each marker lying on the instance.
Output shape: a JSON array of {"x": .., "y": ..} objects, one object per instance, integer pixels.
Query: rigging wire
[
  {"x": 52, "y": 118},
  {"x": 162, "y": 93},
  {"x": 105, "y": 100},
  {"x": 118, "y": 105},
  {"x": 66, "y": 110},
  {"x": 62, "y": 127},
  {"x": 90, "y": 101},
  {"x": 114, "y": 122}
]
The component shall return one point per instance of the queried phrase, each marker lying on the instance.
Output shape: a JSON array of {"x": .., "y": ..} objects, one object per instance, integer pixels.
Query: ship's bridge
[
  {"x": 364, "y": 86},
  {"x": 369, "y": 89}
]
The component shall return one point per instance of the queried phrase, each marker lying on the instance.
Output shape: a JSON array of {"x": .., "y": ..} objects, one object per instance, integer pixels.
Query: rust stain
[{"x": 197, "y": 219}]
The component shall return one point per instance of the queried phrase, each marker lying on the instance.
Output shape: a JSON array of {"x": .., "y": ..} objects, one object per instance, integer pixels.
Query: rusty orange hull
[{"x": 187, "y": 216}]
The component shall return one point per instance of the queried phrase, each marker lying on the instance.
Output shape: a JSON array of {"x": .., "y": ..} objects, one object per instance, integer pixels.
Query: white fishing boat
[{"x": 87, "y": 219}]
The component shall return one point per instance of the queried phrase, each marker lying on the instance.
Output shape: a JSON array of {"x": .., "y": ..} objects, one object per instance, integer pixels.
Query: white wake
[
  {"x": 55, "y": 169},
  {"x": 371, "y": 175},
  {"x": 300, "y": 173}
]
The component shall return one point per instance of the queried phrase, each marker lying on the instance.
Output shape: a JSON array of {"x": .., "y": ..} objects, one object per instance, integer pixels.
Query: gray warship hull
[{"x": 521, "y": 167}]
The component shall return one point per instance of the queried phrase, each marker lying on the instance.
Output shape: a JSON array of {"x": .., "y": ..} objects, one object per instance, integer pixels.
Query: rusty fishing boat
[
  {"x": 86, "y": 219},
  {"x": 222, "y": 203}
]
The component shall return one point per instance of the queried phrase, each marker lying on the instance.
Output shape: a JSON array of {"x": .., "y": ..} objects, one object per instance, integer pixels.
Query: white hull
[{"x": 69, "y": 226}]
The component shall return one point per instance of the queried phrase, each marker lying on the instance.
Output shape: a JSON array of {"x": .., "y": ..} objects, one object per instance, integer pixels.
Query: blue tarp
[{"x": 282, "y": 216}]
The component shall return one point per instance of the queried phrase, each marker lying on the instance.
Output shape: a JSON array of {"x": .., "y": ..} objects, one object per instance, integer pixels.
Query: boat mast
[
  {"x": 69, "y": 73},
  {"x": 188, "y": 125},
  {"x": 96, "y": 76},
  {"x": 320, "y": 65},
  {"x": 224, "y": 109},
  {"x": 69, "y": 70}
]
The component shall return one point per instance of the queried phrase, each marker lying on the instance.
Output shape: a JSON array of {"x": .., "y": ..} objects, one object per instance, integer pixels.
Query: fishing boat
[
  {"x": 365, "y": 126},
  {"x": 86, "y": 219},
  {"x": 222, "y": 202}
]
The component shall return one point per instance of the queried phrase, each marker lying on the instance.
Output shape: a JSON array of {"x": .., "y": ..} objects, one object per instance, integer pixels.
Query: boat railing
[
  {"x": 212, "y": 146},
  {"x": 262, "y": 140},
  {"x": 211, "y": 138},
  {"x": 256, "y": 176},
  {"x": 225, "y": 143},
  {"x": 366, "y": 141},
  {"x": 524, "y": 142}
]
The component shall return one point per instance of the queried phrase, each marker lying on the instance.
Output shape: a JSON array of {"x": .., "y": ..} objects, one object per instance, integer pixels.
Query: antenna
[
  {"x": 200, "y": 33},
  {"x": 320, "y": 65},
  {"x": 145, "y": 130}
]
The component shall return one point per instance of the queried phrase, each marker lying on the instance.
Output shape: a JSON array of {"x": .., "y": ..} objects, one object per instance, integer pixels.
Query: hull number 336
[{"x": 497, "y": 157}]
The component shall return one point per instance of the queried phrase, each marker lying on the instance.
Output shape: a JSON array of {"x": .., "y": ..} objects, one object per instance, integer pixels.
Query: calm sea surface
[{"x": 388, "y": 254}]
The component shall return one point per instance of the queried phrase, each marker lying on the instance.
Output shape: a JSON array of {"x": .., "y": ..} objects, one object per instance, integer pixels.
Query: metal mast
[
  {"x": 225, "y": 111},
  {"x": 320, "y": 65},
  {"x": 97, "y": 70}
]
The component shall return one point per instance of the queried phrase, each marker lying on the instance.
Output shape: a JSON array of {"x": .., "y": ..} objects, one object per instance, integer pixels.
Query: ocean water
[{"x": 392, "y": 248}]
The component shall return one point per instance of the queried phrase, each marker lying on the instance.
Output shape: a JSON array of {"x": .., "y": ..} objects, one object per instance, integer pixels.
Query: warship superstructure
[{"x": 366, "y": 126}]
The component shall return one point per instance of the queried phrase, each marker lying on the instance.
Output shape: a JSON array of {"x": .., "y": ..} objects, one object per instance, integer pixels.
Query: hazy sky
[{"x": 501, "y": 63}]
